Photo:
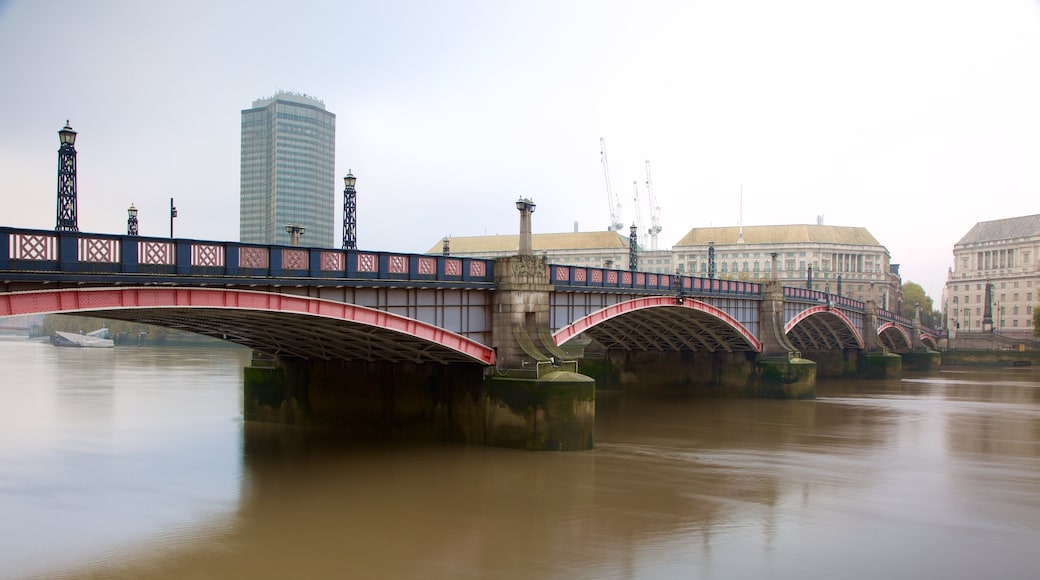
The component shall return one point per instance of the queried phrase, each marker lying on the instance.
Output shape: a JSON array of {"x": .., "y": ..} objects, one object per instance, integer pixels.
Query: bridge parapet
[
  {"x": 803, "y": 295},
  {"x": 653, "y": 282},
  {"x": 76, "y": 253}
]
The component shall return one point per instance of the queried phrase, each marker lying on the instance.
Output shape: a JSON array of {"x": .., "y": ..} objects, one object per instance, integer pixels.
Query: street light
[
  {"x": 67, "y": 214},
  {"x": 173, "y": 214},
  {"x": 526, "y": 207},
  {"x": 349, "y": 212},
  {"x": 633, "y": 247},
  {"x": 295, "y": 231},
  {"x": 711, "y": 259},
  {"x": 131, "y": 220}
]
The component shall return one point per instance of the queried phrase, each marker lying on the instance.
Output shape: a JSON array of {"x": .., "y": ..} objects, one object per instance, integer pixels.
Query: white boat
[{"x": 96, "y": 339}]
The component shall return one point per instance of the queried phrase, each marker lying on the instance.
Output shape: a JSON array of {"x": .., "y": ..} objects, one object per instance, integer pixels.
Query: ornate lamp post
[
  {"x": 526, "y": 207},
  {"x": 295, "y": 231},
  {"x": 633, "y": 247},
  {"x": 131, "y": 220},
  {"x": 67, "y": 220},
  {"x": 349, "y": 212},
  {"x": 711, "y": 258},
  {"x": 446, "y": 247},
  {"x": 808, "y": 281}
]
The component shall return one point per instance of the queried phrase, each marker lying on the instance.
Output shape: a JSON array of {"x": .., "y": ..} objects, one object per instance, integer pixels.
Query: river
[{"x": 134, "y": 462}]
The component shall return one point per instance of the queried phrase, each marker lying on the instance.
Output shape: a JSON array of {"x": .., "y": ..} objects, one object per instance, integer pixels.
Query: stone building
[
  {"x": 850, "y": 254},
  {"x": 843, "y": 260},
  {"x": 603, "y": 249},
  {"x": 993, "y": 284}
]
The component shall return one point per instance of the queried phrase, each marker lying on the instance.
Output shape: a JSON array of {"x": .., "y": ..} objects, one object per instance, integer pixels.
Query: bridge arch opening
[
  {"x": 662, "y": 323},
  {"x": 895, "y": 338},
  {"x": 277, "y": 324},
  {"x": 820, "y": 328}
]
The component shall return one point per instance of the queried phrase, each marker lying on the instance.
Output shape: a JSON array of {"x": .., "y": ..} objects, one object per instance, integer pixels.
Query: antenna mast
[
  {"x": 613, "y": 203},
  {"x": 655, "y": 210}
]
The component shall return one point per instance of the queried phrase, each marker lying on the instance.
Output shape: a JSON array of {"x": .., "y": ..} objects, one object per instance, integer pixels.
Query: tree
[
  {"x": 913, "y": 294},
  {"x": 1036, "y": 321}
]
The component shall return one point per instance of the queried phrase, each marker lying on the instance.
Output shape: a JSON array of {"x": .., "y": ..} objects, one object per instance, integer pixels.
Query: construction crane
[
  {"x": 655, "y": 210},
  {"x": 613, "y": 203}
]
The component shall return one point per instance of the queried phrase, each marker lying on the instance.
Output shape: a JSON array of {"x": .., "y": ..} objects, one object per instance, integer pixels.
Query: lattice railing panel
[
  {"x": 398, "y": 264},
  {"x": 98, "y": 250},
  {"x": 333, "y": 262},
  {"x": 33, "y": 247},
  {"x": 367, "y": 263},
  {"x": 294, "y": 259},
  {"x": 156, "y": 253},
  {"x": 254, "y": 258}
]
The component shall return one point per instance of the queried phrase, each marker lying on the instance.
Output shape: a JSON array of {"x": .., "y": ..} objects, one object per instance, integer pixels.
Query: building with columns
[
  {"x": 993, "y": 284},
  {"x": 842, "y": 260}
]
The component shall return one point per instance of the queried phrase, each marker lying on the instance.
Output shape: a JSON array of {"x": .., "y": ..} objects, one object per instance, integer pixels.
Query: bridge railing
[
  {"x": 793, "y": 294},
  {"x": 593, "y": 278},
  {"x": 23, "y": 250}
]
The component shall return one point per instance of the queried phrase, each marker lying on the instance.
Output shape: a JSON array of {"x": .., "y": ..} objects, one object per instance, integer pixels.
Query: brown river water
[{"x": 135, "y": 463}]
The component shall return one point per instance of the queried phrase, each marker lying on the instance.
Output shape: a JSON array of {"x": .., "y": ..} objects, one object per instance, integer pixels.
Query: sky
[{"x": 914, "y": 119}]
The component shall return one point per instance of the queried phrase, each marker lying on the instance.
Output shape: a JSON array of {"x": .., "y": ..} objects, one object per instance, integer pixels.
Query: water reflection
[{"x": 925, "y": 477}]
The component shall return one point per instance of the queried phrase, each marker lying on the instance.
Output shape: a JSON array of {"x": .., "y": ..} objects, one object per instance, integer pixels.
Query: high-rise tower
[{"x": 288, "y": 171}]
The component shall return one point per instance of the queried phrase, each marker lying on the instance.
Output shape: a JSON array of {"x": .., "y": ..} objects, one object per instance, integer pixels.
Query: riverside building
[
  {"x": 844, "y": 260},
  {"x": 993, "y": 284},
  {"x": 288, "y": 171}
]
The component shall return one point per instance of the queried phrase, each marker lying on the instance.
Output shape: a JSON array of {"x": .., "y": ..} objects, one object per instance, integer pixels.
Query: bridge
[{"x": 319, "y": 312}]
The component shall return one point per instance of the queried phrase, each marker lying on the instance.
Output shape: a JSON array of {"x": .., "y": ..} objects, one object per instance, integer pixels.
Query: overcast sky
[{"x": 913, "y": 119}]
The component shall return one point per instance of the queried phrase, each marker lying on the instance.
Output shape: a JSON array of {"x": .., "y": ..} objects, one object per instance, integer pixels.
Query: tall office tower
[{"x": 288, "y": 171}]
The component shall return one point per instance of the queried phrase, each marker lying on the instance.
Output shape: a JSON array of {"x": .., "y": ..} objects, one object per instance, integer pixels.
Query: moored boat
[{"x": 96, "y": 339}]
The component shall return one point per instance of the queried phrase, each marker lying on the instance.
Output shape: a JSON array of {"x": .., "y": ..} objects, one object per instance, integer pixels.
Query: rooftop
[
  {"x": 787, "y": 234},
  {"x": 1007, "y": 228},
  {"x": 539, "y": 242}
]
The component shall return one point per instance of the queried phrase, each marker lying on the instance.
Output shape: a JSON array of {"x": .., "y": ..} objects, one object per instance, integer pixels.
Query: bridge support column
[
  {"x": 536, "y": 399},
  {"x": 920, "y": 359},
  {"x": 877, "y": 362},
  {"x": 782, "y": 372}
]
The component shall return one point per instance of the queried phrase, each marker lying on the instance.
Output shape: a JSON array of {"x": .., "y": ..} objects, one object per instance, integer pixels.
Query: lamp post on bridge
[
  {"x": 295, "y": 231},
  {"x": 131, "y": 220},
  {"x": 633, "y": 248},
  {"x": 711, "y": 259},
  {"x": 526, "y": 207},
  {"x": 349, "y": 212},
  {"x": 67, "y": 212},
  {"x": 173, "y": 214}
]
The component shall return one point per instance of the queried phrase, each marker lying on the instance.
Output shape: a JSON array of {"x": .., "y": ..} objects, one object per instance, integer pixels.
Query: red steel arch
[
  {"x": 724, "y": 330},
  {"x": 885, "y": 332},
  {"x": 850, "y": 328},
  {"x": 281, "y": 324}
]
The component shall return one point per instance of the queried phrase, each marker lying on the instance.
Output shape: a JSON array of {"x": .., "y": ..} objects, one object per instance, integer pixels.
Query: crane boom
[
  {"x": 613, "y": 203},
  {"x": 655, "y": 210}
]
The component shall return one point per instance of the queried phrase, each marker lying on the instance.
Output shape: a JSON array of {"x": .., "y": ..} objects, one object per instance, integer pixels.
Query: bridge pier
[
  {"x": 536, "y": 399},
  {"x": 782, "y": 372},
  {"x": 876, "y": 361},
  {"x": 369, "y": 399}
]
